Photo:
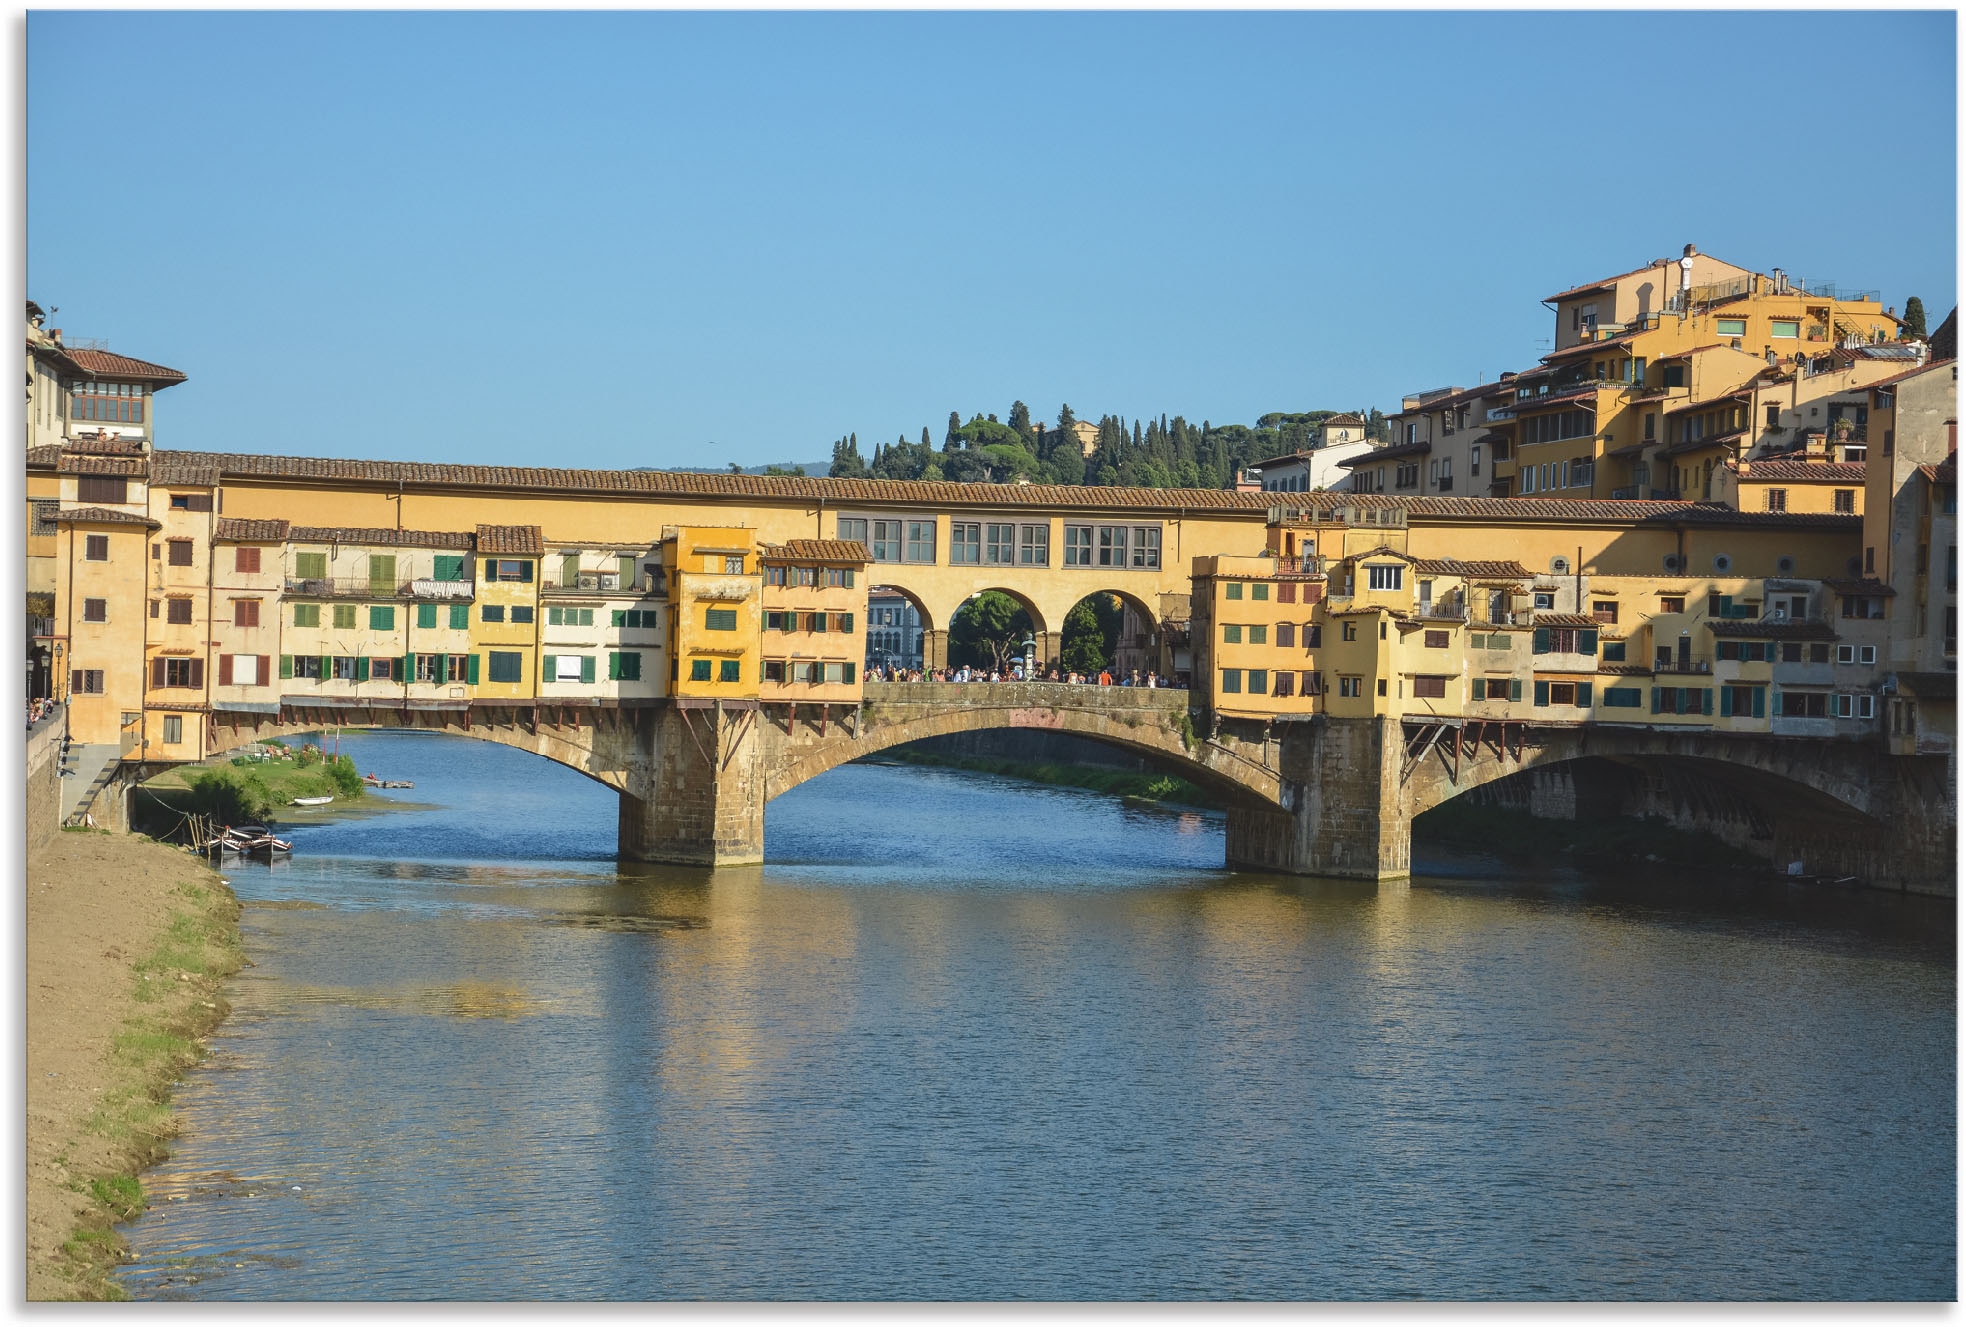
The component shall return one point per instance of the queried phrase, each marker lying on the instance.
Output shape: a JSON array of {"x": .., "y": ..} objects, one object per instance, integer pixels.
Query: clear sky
[{"x": 620, "y": 239}]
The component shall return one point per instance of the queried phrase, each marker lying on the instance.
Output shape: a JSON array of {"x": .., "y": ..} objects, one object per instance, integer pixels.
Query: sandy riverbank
[{"x": 128, "y": 943}]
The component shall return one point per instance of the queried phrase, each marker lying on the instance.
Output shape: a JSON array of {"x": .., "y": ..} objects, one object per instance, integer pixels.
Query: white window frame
[
  {"x": 1866, "y": 706},
  {"x": 1846, "y": 654},
  {"x": 1866, "y": 654},
  {"x": 1384, "y": 576}
]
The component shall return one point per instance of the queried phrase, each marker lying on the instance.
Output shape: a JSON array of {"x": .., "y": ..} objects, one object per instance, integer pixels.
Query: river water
[{"x": 966, "y": 1038}]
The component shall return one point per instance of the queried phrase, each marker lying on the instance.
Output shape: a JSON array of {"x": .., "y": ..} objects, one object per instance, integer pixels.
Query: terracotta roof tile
[
  {"x": 233, "y": 530},
  {"x": 1513, "y": 571},
  {"x": 820, "y": 550},
  {"x": 1701, "y": 444},
  {"x": 1806, "y": 472},
  {"x": 1387, "y": 454},
  {"x": 104, "y": 516},
  {"x": 1566, "y": 620},
  {"x": 1867, "y": 586},
  {"x": 104, "y": 446},
  {"x": 1770, "y": 629},
  {"x": 1945, "y": 472},
  {"x": 520, "y": 539},
  {"x": 43, "y": 457},
  {"x": 71, "y": 464},
  {"x": 120, "y": 366},
  {"x": 1897, "y": 378},
  {"x": 1587, "y": 347},
  {"x": 342, "y": 534}
]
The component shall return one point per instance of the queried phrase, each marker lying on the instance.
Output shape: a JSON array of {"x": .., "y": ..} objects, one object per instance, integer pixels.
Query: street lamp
[{"x": 1030, "y": 657}]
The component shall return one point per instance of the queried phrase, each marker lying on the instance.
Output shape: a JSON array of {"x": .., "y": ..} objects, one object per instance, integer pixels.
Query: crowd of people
[
  {"x": 38, "y": 710},
  {"x": 1015, "y": 673}
]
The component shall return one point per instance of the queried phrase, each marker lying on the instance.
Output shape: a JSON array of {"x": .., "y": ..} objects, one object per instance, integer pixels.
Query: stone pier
[
  {"x": 700, "y": 798},
  {"x": 1344, "y": 810}
]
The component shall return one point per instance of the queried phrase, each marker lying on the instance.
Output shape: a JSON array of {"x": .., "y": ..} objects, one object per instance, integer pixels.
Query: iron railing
[{"x": 362, "y": 587}]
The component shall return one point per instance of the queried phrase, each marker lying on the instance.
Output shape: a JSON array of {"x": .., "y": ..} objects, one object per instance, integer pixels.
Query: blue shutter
[
  {"x": 1758, "y": 702},
  {"x": 525, "y": 571},
  {"x": 1706, "y": 702},
  {"x": 1584, "y": 694},
  {"x": 1655, "y": 700},
  {"x": 1542, "y": 693},
  {"x": 1542, "y": 641},
  {"x": 1726, "y": 702},
  {"x": 1587, "y": 642}
]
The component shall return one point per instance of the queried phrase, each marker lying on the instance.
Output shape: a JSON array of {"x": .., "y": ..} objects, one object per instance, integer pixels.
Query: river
[{"x": 963, "y": 1038}]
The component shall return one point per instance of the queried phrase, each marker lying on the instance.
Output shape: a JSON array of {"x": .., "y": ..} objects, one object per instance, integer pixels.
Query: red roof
[
  {"x": 103, "y": 516},
  {"x": 1897, "y": 378},
  {"x": 71, "y": 464},
  {"x": 1483, "y": 570},
  {"x": 105, "y": 365},
  {"x": 521, "y": 539},
  {"x": 1806, "y": 472},
  {"x": 233, "y": 530},
  {"x": 820, "y": 550}
]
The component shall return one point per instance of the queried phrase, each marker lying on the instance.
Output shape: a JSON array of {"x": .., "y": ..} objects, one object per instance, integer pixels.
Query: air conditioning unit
[
  {"x": 590, "y": 580},
  {"x": 610, "y": 580},
  {"x": 1780, "y": 615}
]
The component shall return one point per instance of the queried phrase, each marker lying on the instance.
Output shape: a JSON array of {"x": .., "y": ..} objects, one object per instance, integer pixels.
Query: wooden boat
[
  {"x": 249, "y": 841},
  {"x": 312, "y": 801},
  {"x": 376, "y": 782}
]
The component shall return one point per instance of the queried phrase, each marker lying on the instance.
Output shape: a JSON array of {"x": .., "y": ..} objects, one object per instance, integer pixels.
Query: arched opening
[
  {"x": 901, "y": 634},
  {"x": 997, "y": 631},
  {"x": 1114, "y": 632}
]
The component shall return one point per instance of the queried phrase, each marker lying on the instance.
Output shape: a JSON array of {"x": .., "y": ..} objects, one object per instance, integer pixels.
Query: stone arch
[
  {"x": 586, "y": 747},
  {"x": 1137, "y": 645},
  {"x": 1046, "y": 645},
  {"x": 1236, "y": 779},
  {"x": 933, "y": 637}
]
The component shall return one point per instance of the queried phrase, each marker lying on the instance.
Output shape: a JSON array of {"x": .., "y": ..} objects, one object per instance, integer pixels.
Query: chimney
[
  {"x": 1689, "y": 251},
  {"x": 1814, "y": 443}
]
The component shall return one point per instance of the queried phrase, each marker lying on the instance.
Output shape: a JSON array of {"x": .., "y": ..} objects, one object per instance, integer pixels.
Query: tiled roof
[
  {"x": 1341, "y": 420},
  {"x": 1701, "y": 444},
  {"x": 1513, "y": 571},
  {"x": 1945, "y": 472},
  {"x": 233, "y": 530},
  {"x": 1587, "y": 347},
  {"x": 1868, "y": 586},
  {"x": 1768, "y": 628},
  {"x": 104, "y": 446},
  {"x": 1568, "y": 393},
  {"x": 1732, "y": 394},
  {"x": 104, "y": 364},
  {"x": 342, "y": 534},
  {"x": 71, "y": 464},
  {"x": 1566, "y": 620},
  {"x": 1897, "y": 378},
  {"x": 1387, "y": 454},
  {"x": 1806, "y": 472},
  {"x": 523, "y": 539},
  {"x": 821, "y": 550},
  {"x": 1625, "y": 669},
  {"x": 43, "y": 457},
  {"x": 104, "y": 516}
]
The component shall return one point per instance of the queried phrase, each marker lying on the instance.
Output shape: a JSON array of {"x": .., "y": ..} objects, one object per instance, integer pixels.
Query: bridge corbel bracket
[
  {"x": 791, "y": 717},
  {"x": 825, "y": 713},
  {"x": 690, "y": 724},
  {"x": 1416, "y": 750},
  {"x": 745, "y": 719}
]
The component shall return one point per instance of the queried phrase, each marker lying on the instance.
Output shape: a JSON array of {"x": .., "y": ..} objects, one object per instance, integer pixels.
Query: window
[
  {"x": 1259, "y": 635},
  {"x": 921, "y": 541},
  {"x": 1112, "y": 545},
  {"x": 720, "y": 619},
  {"x": 733, "y": 564},
  {"x": 965, "y": 543},
  {"x": 1866, "y": 707},
  {"x": 727, "y": 670},
  {"x": 1434, "y": 640},
  {"x": 774, "y": 670},
  {"x": 506, "y": 569},
  {"x": 86, "y": 681},
  {"x": 1078, "y": 545},
  {"x": 460, "y": 617},
  {"x": 95, "y": 548},
  {"x": 239, "y": 670},
  {"x": 45, "y": 510},
  {"x": 1778, "y": 499},
  {"x": 342, "y": 667},
  {"x": 426, "y": 667},
  {"x": 774, "y": 575},
  {"x": 1866, "y": 654},
  {"x": 1672, "y": 603},
  {"x": 1787, "y": 329},
  {"x": 1287, "y": 593},
  {"x": 1474, "y": 459},
  {"x": 1231, "y": 634},
  {"x": 95, "y": 610},
  {"x": 460, "y": 668},
  {"x": 885, "y": 546},
  {"x": 245, "y": 612},
  {"x": 1351, "y": 686},
  {"x": 1802, "y": 704},
  {"x": 1621, "y": 698},
  {"x": 626, "y": 666},
  {"x": 1287, "y": 634},
  {"x": 344, "y": 617},
  {"x": 1034, "y": 545},
  {"x": 1313, "y": 683},
  {"x": 521, "y": 613},
  {"x": 102, "y": 489},
  {"x": 382, "y": 617},
  {"x": 840, "y": 577},
  {"x": 1846, "y": 500},
  {"x": 1732, "y": 326},
  {"x": 1428, "y": 687},
  {"x": 383, "y": 669},
  {"x": 1614, "y": 651},
  {"x": 486, "y": 613},
  {"x": 173, "y": 729},
  {"x": 311, "y": 566},
  {"x": 1383, "y": 577},
  {"x": 307, "y": 615},
  {"x": 1259, "y": 681},
  {"x": 506, "y": 666},
  {"x": 999, "y": 544},
  {"x": 1742, "y": 702},
  {"x": 1232, "y": 590},
  {"x": 853, "y": 527},
  {"x": 1232, "y": 681},
  {"x": 1351, "y": 631},
  {"x": 1605, "y": 610},
  {"x": 1286, "y": 684},
  {"x": 699, "y": 670},
  {"x": 1146, "y": 546},
  {"x": 178, "y": 612}
]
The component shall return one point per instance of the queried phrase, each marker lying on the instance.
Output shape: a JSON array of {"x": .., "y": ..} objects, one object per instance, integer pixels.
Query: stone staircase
[{"x": 84, "y": 774}]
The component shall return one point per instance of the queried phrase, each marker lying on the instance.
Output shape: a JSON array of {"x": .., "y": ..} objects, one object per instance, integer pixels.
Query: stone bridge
[{"x": 1324, "y": 796}]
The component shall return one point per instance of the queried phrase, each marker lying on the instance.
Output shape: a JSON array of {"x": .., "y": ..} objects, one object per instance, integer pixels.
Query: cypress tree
[{"x": 1914, "y": 328}]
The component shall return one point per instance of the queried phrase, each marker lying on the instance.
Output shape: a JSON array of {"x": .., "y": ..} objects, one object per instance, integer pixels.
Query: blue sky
[{"x": 620, "y": 239}]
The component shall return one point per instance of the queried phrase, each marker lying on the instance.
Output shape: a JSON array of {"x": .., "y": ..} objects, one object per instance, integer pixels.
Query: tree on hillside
[
  {"x": 1020, "y": 418},
  {"x": 847, "y": 461},
  {"x": 955, "y": 426},
  {"x": 1914, "y": 319},
  {"x": 988, "y": 631}
]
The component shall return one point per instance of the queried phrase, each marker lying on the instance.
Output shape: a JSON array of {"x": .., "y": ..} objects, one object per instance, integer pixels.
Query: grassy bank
[
  {"x": 241, "y": 791},
  {"x": 1517, "y": 836},
  {"x": 172, "y": 1003},
  {"x": 1118, "y": 782}
]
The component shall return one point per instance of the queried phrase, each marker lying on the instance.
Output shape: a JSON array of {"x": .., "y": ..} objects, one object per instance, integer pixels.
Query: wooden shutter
[
  {"x": 614, "y": 666},
  {"x": 1515, "y": 688},
  {"x": 471, "y": 669},
  {"x": 225, "y": 670},
  {"x": 846, "y": 622},
  {"x": 1584, "y": 694},
  {"x": 587, "y": 668},
  {"x": 491, "y": 569},
  {"x": 1655, "y": 700},
  {"x": 327, "y": 668},
  {"x": 570, "y": 569},
  {"x": 197, "y": 674},
  {"x": 286, "y": 665},
  {"x": 1542, "y": 642},
  {"x": 441, "y": 666},
  {"x": 549, "y": 668},
  {"x": 1587, "y": 642},
  {"x": 460, "y": 617},
  {"x": 157, "y": 672},
  {"x": 361, "y": 668},
  {"x": 1726, "y": 701},
  {"x": 1542, "y": 693},
  {"x": 632, "y": 666},
  {"x": 627, "y": 570},
  {"x": 1759, "y": 701},
  {"x": 620, "y": 617},
  {"x": 199, "y": 502},
  {"x": 263, "y": 675},
  {"x": 525, "y": 571}
]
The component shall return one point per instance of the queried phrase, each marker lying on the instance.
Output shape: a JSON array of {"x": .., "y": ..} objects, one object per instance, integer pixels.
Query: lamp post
[{"x": 1030, "y": 657}]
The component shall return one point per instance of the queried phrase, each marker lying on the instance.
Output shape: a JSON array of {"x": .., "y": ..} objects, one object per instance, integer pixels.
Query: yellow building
[
  {"x": 715, "y": 590},
  {"x": 814, "y": 606},
  {"x": 505, "y": 628},
  {"x": 101, "y": 554},
  {"x": 603, "y": 636},
  {"x": 248, "y": 585}
]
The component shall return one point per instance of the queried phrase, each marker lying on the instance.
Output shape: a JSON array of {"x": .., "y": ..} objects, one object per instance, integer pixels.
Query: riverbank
[
  {"x": 128, "y": 944},
  {"x": 1151, "y": 787}
]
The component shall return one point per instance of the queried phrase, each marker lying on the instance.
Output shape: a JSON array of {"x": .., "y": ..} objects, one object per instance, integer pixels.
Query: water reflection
[{"x": 1033, "y": 1043}]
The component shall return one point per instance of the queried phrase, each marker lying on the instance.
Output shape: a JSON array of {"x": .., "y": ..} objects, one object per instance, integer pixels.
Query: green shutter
[
  {"x": 1587, "y": 642},
  {"x": 849, "y": 578},
  {"x": 406, "y": 669},
  {"x": 426, "y": 615},
  {"x": 1706, "y": 702},
  {"x": 448, "y": 567},
  {"x": 1515, "y": 688},
  {"x": 554, "y": 617},
  {"x": 627, "y": 570},
  {"x": 286, "y": 665},
  {"x": 1542, "y": 645},
  {"x": 311, "y": 566},
  {"x": 471, "y": 669},
  {"x": 620, "y": 617},
  {"x": 819, "y": 621},
  {"x": 361, "y": 668},
  {"x": 1584, "y": 694},
  {"x": 587, "y": 668},
  {"x": 570, "y": 569},
  {"x": 1726, "y": 701},
  {"x": 441, "y": 666},
  {"x": 631, "y": 670},
  {"x": 381, "y": 618},
  {"x": 1655, "y": 700},
  {"x": 327, "y": 667},
  {"x": 1758, "y": 702},
  {"x": 460, "y": 617},
  {"x": 614, "y": 666},
  {"x": 547, "y": 671},
  {"x": 491, "y": 569},
  {"x": 846, "y": 622},
  {"x": 382, "y": 573},
  {"x": 1542, "y": 693},
  {"x": 525, "y": 571}
]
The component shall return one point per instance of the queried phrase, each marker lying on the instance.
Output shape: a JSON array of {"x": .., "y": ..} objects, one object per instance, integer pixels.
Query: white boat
[{"x": 313, "y": 801}]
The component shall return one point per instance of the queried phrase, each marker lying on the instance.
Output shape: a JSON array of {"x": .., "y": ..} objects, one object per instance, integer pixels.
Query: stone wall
[{"x": 43, "y": 785}]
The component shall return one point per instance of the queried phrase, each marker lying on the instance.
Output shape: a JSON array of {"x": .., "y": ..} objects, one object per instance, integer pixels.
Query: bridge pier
[
  {"x": 1345, "y": 813},
  {"x": 699, "y": 798}
]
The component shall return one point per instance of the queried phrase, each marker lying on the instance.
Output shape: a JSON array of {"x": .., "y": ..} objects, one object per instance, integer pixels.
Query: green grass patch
[
  {"x": 242, "y": 792},
  {"x": 177, "y": 987},
  {"x": 1117, "y": 782}
]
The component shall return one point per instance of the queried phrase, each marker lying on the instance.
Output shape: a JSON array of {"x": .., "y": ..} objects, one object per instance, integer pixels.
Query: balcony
[
  {"x": 1443, "y": 612},
  {"x": 40, "y": 626},
  {"x": 1311, "y": 566},
  {"x": 361, "y": 587},
  {"x": 604, "y": 582},
  {"x": 1685, "y": 666}
]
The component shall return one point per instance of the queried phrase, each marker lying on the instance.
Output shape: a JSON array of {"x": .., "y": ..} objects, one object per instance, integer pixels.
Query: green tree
[
  {"x": 847, "y": 461},
  {"x": 1914, "y": 328},
  {"x": 1020, "y": 418},
  {"x": 988, "y": 631},
  {"x": 955, "y": 428},
  {"x": 1092, "y": 631}
]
